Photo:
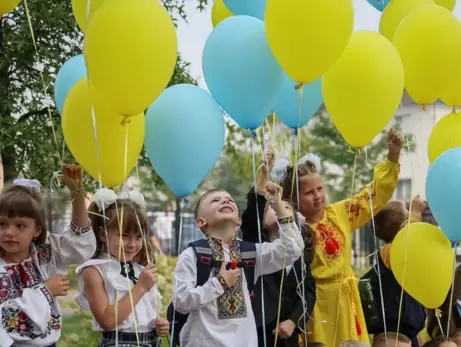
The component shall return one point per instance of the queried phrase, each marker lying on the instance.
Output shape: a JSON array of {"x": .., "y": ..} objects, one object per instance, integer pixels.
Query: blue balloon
[
  {"x": 253, "y": 8},
  {"x": 380, "y": 5},
  {"x": 287, "y": 104},
  {"x": 184, "y": 136},
  {"x": 241, "y": 71},
  {"x": 443, "y": 191},
  {"x": 70, "y": 73}
]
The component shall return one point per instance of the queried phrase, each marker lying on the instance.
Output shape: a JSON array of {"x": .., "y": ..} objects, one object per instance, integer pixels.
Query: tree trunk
[
  {"x": 177, "y": 224},
  {"x": 8, "y": 152}
]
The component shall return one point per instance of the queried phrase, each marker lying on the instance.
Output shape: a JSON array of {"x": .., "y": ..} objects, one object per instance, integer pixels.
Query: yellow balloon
[
  {"x": 219, "y": 12},
  {"x": 364, "y": 88},
  {"x": 131, "y": 50},
  {"x": 429, "y": 43},
  {"x": 445, "y": 134},
  {"x": 308, "y": 36},
  {"x": 394, "y": 12},
  {"x": 77, "y": 126},
  {"x": 79, "y": 8},
  {"x": 7, "y": 6},
  {"x": 448, "y": 4},
  {"x": 422, "y": 261},
  {"x": 450, "y": 94}
]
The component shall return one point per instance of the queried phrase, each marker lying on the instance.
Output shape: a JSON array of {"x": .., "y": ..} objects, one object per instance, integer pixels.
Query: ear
[
  {"x": 37, "y": 232},
  {"x": 201, "y": 222},
  {"x": 102, "y": 235},
  {"x": 239, "y": 222}
]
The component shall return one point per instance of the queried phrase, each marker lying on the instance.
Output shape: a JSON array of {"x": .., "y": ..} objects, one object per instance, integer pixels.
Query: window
[{"x": 403, "y": 191}]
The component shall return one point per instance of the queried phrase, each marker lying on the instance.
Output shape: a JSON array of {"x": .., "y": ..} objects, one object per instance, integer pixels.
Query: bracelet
[{"x": 286, "y": 220}]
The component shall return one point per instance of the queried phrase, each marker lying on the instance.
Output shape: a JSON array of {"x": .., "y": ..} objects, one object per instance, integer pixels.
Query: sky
[{"x": 193, "y": 34}]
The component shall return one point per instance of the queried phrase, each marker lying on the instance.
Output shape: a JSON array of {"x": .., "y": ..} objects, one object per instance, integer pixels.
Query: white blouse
[
  {"x": 29, "y": 315},
  {"x": 145, "y": 313},
  {"x": 213, "y": 319}
]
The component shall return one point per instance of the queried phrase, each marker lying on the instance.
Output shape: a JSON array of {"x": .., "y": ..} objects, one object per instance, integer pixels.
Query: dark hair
[
  {"x": 20, "y": 201},
  {"x": 127, "y": 212},
  {"x": 290, "y": 193},
  {"x": 390, "y": 336},
  {"x": 456, "y": 333},
  {"x": 202, "y": 197},
  {"x": 389, "y": 220}
]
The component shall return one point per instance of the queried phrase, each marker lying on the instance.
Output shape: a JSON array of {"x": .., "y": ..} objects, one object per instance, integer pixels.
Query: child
[
  {"x": 391, "y": 340},
  {"x": 456, "y": 337},
  {"x": 120, "y": 277},
  {"x": 292, "y": 313},
  {"x": 31, "y": 268},
  {"x": 353, "y": 343},
  {"x": 220, "y": 313},
  {"x": 334, "y": 224},
  {"x": 388, "y": 223},
  {"x": 440, "y": 341}
]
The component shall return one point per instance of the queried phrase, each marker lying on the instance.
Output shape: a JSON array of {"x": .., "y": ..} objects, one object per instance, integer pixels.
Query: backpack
[{"x": 205, "y": 264}]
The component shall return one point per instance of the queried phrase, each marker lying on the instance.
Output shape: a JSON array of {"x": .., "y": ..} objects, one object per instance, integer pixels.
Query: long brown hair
[
  {"x": 129, "y": 213},
  {"x": 19, "y": 201}
]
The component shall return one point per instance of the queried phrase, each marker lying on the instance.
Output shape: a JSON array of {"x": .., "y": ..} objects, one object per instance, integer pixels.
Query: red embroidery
[{"x": 329, "y": 240}]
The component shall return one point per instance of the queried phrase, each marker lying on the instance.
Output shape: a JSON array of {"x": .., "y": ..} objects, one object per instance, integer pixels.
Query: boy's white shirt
[
  {"x": 110, "y": 270},
  {"x": 74, "y": 246},
  {"x": 203, "y": 327}
]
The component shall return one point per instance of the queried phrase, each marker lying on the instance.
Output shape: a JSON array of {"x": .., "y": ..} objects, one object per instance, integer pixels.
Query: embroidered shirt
[
  {"x": 29, "y": 315},
  {"x": 219, "y": 315},
  {"x": 111, "y": 271}
]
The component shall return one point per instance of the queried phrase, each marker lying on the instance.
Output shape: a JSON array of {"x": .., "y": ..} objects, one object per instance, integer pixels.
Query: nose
[
  {"x": 10, "y": 231},
  {"x": 131, "y": 244}
]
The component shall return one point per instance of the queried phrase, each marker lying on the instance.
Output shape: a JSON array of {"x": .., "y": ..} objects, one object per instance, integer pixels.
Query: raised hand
[{"x": 73, "y": 178}]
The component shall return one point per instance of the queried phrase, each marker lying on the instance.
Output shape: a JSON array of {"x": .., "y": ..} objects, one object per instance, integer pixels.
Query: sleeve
[
  {"x": 310, "y": 298},
  {"x": 187, "y": 296},
  {"x": 32, "y": 308},
  {"x": 249, "y": 226},
  {"x": 357, "y": 211},
  {"x": 74, "y": 246},
  {"x": 274, "y": 256}
]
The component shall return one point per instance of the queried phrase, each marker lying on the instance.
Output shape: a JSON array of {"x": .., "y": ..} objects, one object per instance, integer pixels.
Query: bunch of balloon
[
  {"x": 446, "y": 134},
  {"x": 240, "y": 70},
  {"x": 184, "y": 139},
  {"x": 108, "y": 148},
  {"x": 7, "y": 6},
  {"x": 421, "y": 253},
  {"x": 429, "y": 43},
  {"x": 364, "y": 88}
]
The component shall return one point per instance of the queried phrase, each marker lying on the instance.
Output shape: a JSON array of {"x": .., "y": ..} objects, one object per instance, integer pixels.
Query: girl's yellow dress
[{"x": 338, "y": 314}]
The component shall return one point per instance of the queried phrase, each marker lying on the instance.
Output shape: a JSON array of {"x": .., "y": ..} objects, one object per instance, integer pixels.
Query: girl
[
  {"x": 338, "y": 300},
  {"x": 31, "y": 266},
  {"x": 292, "y": 310},
  {"x": 120, "y": 274}
]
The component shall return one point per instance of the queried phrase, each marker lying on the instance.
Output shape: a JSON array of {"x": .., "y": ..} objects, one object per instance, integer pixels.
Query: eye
[
  {"x": 215, "y": 200},
  {"x": 139, "y": 237},
  {"x": 3, "y": 224},
  {"x": 20, "y": 226}
]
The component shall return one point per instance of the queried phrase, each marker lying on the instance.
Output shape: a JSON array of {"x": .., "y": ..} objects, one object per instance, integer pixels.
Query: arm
[
  {"x": 34, "y": 303},
  {"x": 274, "y": 256},
  {"x": 74, "y": 246},
  {"x": 104, "y": 313},
  {"x": 186, "y": 296},
  {"x": 249, "y": 226},
  {"x": 357, "y": 211}
]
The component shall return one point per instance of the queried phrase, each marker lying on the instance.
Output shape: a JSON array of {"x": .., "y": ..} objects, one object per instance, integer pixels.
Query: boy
[
  {"x": 393, "y": 340},
  {"x": 220, "y": 312},
  {"x": 389, "y": 222}
]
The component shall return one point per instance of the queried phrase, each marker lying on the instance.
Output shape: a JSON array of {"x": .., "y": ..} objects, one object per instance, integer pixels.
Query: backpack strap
[
  {"x": 248, "y": 255},
  {"x": 205, "y": 262}
]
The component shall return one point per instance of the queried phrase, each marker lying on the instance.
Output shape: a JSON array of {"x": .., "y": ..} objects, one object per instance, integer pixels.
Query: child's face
[
  {"x": 131, "y": 242},
  {"x": 311, "y": 194},
  {"x": 448, "y": 344},
  {"x": 16, "y": 235},
  {"x": 218, "y": 209},
  {"x": 457, "y": 340},
  {"x": 270, "y": 217}
]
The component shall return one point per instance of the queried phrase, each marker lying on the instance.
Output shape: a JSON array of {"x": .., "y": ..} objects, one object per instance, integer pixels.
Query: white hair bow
[
  {"x": 279, "y": 170},
  {"x": 24, "y": 182},
  {"x": 104, "y": 197}
]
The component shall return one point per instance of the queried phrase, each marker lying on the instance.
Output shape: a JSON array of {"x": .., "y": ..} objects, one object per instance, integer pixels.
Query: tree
[{"x": 31, "y": 141}]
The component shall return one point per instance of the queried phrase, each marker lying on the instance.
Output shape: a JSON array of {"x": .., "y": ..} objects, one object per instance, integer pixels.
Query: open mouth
[{"x": 226, "y": 209}]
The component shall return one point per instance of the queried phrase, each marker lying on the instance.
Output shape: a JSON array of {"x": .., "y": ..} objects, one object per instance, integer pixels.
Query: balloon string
[
  {"x": 452, "y": 289},
  {"x": 42, "y": 80}
]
